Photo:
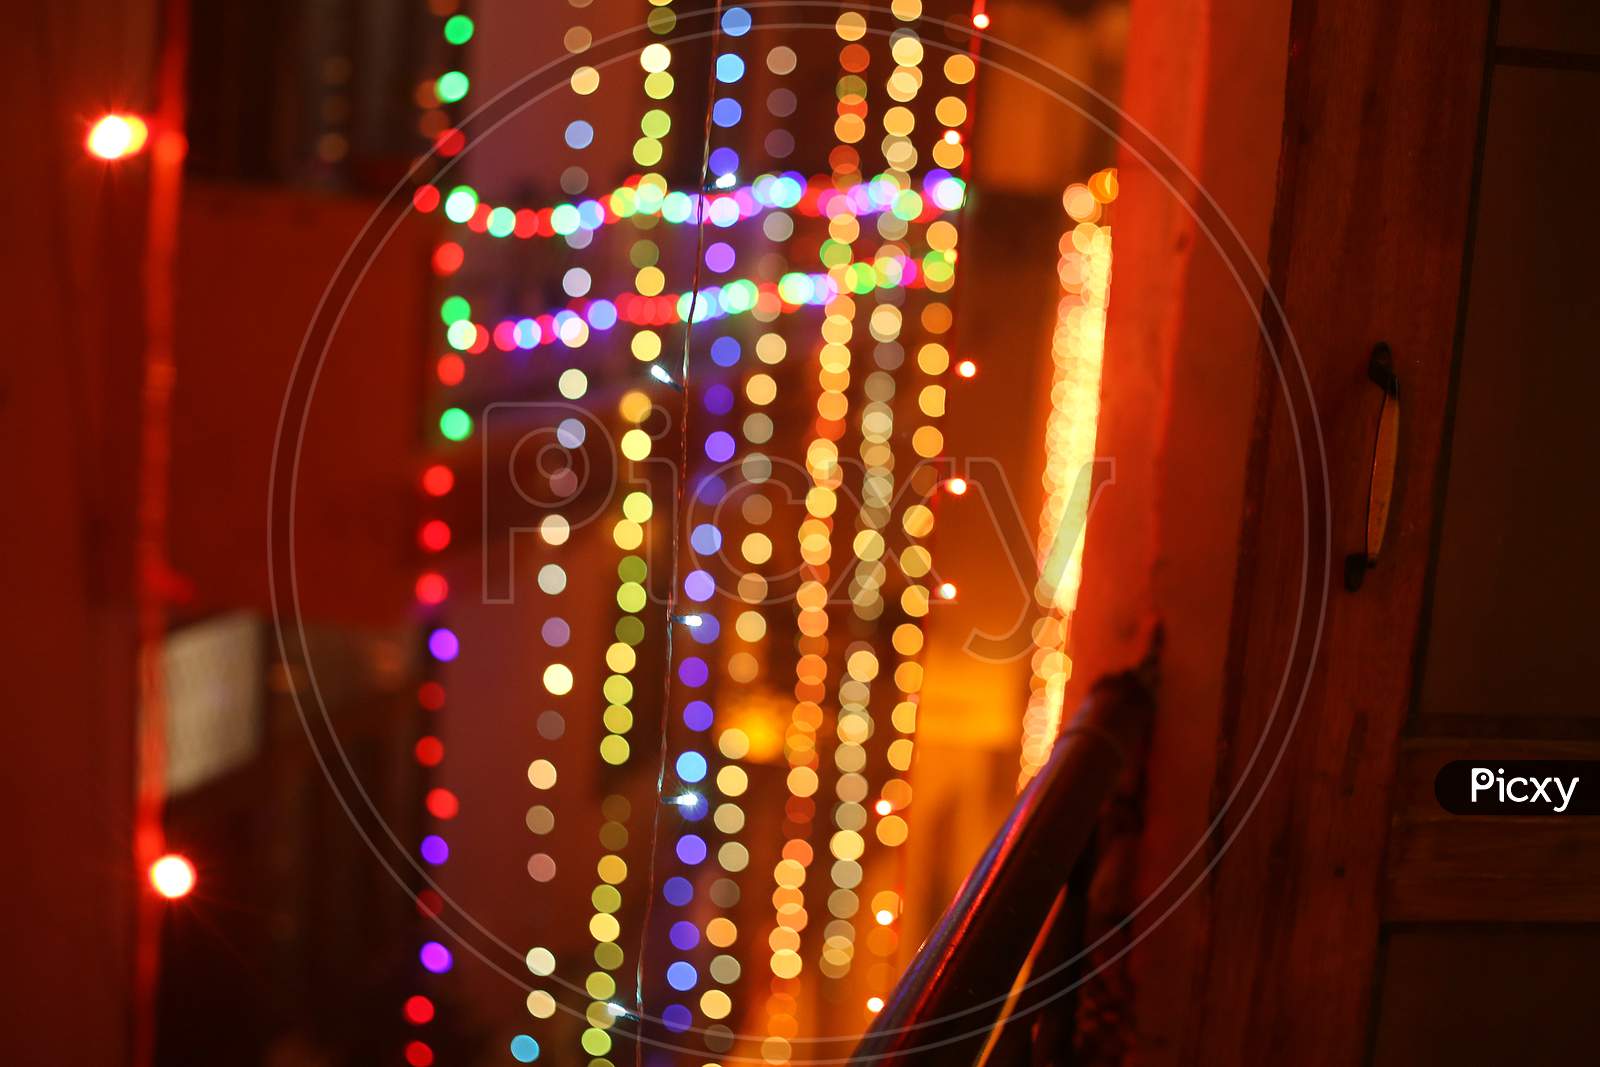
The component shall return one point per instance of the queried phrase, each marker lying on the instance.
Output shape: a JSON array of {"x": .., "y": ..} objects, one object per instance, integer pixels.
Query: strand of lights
[
  {"x": 647, "y": 194},
  {"x": 1077, "y": 348},
  {"x": 855, "y": 724},
  {"x": 557, "y": 678},
  {"x": 815, "y": 542},
  {"x": 755, "y": 731},
  {"x": 749, "y": 732},
  {"x": 628, "y": 535},
  {"x": 691, "y": 766},
  {"x": 573, "y": 325},
  {"x": 916, "y": 560},
  {"x": 432, "y": 590}
]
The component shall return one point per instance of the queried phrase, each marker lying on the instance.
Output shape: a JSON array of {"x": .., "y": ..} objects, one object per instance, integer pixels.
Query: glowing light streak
[{"x": 1077, "y": 350}]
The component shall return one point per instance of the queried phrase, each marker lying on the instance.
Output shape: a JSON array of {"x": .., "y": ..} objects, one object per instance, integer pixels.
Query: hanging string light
[
  {"x": 628, "y": 529},
  {"x": 901, "y": 229},
  {"x": 704, "y": 767},
  {"x": 438, "y": 481},
  {"x": 1077, "y": 348},
  {"x": 815, "y": 543}
]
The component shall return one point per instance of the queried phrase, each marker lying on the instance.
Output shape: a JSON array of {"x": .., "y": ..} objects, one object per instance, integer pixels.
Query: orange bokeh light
[
  {"x": 117, "y": 136},
  {"x": 172, "y": 876}
]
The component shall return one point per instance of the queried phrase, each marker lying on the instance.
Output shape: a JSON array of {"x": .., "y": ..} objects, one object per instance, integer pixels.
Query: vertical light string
[
  {"x": 1077, "y": 349},
  {"x": 628, "y": 534},
  {"x": 438, "y": 482},
  {"x": 901, "y": 232},
  {"x": 855, "y": 724},
  {"x": 748, "y": 730},
  {"x": 815, "y": 543},
  {"x": 694, "y": 788}
]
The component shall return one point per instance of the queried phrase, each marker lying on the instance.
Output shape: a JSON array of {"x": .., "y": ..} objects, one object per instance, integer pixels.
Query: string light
[
  {"x": 815, "y": 543},
  {"x": 909, "y": 215},
  {"x": 117, "y": 136},
  {"x": 628, "y": 527},
  {"x": 928, "y": 227},
  {"x": 438, "y": 482},
  {"x": 172, "y": 876},
  {"x": 723, "y": 204},
  {"x": 1077, "y": 349},
  {"x": 855, "y": 724}
]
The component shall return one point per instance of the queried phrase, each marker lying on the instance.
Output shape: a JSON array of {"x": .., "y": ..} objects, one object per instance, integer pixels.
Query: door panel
[
  {"x": 1488, "y": 995},
  {"x": 1492, "y": 925},
  {"x": 1513, "y": 625}
]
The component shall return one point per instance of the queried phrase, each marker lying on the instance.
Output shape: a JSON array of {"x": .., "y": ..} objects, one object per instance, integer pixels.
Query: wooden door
[{"x": 1435, "y": 195}]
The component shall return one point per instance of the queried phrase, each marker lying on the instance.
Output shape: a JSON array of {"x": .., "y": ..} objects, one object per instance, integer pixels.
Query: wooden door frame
[{"x": 1273, "y": 959}]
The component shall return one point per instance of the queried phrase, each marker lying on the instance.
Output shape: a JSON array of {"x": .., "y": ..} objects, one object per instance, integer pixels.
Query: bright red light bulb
[
  {"x": 435, "y": 535},
  {"x": 451, "y": 369},
  {"x": 419, "y": 1010},
  {"x": 430, "y": 751},
  {"x": 438, "y": 480},
  {"x": 432, "y": 589}
]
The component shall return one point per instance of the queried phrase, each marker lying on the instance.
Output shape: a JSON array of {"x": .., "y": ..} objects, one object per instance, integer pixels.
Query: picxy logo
[
  {"x": 1518, "y": 787},
  {"x": 1522, "y": 789}
]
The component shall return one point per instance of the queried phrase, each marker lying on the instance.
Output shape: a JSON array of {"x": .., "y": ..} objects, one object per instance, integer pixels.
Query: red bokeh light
[
  {"x": 419, "y": 1010},
  {"x": 430, "y": 752},
  {"x": 434, "y": 535},
  {"x": 442, "y": 804},
  {"x": 450, "y": 142},
  {"x": 438, "y": 480},
  {"x": 432, "y": 588},
  {"x": 451, "y": 369},
  {"x": 447, "y": 258}
]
